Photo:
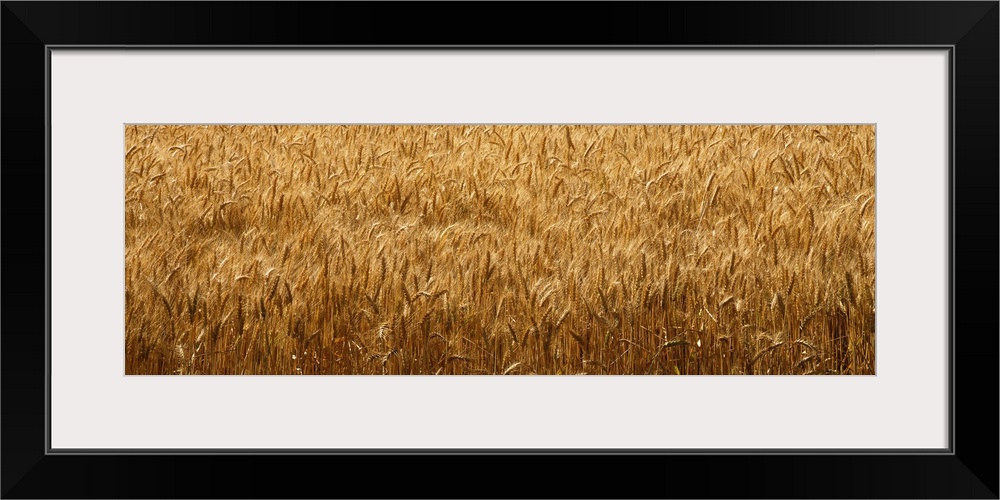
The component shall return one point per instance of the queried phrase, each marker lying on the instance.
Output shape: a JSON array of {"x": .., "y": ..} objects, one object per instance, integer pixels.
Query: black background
[{"x": 971, "y": 472}]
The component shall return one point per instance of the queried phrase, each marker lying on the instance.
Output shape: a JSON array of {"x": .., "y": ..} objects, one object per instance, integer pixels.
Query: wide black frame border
[{"x": 970, "y": 29}]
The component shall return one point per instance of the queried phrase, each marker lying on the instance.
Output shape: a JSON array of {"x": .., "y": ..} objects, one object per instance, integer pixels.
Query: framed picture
[{"x": 277, "y": 238}]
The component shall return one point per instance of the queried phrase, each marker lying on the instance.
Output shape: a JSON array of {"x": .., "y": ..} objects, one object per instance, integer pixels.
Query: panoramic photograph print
[{"x": 564, "y": 249}]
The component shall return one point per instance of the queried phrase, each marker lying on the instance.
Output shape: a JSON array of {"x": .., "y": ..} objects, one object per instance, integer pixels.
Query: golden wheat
[{"x": 499, "y": 249}]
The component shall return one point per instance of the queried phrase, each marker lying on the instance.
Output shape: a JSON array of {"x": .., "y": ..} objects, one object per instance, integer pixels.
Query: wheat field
[{"x": 535, "y": 249}]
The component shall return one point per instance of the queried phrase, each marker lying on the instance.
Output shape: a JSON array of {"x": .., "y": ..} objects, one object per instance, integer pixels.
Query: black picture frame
[{"x": 969, "y": 31}]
